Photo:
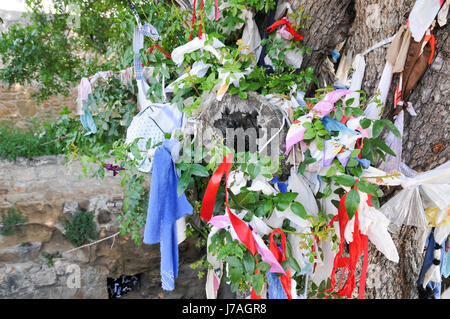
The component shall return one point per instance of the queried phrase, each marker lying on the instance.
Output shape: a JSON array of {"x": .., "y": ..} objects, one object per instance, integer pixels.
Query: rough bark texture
[
  {"x": 329, "y": 26},
  {"x": 426, "y": 136}
]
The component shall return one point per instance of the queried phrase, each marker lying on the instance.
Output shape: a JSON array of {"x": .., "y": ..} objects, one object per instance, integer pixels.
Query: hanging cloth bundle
[
  {"x": 419, "y": 57},
  {"x": 165, "y": 208},
  {"x": 429, "y": 286}
]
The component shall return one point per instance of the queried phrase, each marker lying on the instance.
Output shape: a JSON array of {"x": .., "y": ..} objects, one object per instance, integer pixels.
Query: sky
[{"x": 18, "y": 5}]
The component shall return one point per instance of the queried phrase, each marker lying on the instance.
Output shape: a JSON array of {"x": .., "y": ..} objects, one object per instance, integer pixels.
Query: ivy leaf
[
  {"x": 351, "y": 202},
  {"x": 345, "y": 180},
  {"x": 199, "y": 170},
  {"x": 382, "y": 145},
  {"x": 327, "y": 191},
  {"x": 391, "y": 126},
  {"x": 183, "y": 182},
  {"x": 377, "y": 127},
  {"x": 263, "y": 266},
  {"x": 235, "y": 275},
  {"x": 258, "y": 282},
  {"x": 298, "y": 209},
  {"x": 331, "y": 171},
  {"x": 365, "y": 123},
  {"x": 249, "y": 262},
  {"x": 309, "y": 134},
  {"x": 367, "y": 188},
  {"x": 319, "y": 143}
]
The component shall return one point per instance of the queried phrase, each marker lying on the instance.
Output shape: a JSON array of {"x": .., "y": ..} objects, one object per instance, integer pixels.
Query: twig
[{"x": 93, "y": 243}]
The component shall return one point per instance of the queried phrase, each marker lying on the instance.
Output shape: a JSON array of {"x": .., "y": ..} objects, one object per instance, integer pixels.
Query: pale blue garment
[
  {"x": 333, "y": 125},
  {"x": 164, "y": 209},
  {"x": 446, "y": 265},
  {"x": 276, "y": 290},
  {"x": 87, "y": 120},
  {"x": 335, "y": 55}
]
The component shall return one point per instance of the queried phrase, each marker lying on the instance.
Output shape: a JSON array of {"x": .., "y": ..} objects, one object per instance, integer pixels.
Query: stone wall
[
  {"x": 18, "y": 106},
  {"x": 48, "y": 192}
]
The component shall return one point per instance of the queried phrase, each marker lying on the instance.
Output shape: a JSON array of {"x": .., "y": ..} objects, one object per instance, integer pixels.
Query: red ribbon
[
  {"x": 356, "y": 248},
  {"x": 241, "y": 228},
  {"x": 432, "y": 40},
  {"x": 193, "y": 19},
  {"x": 160, "y": 49},
  {"x": 297, "y": 36},
  {"x": 280, "y": 257}
]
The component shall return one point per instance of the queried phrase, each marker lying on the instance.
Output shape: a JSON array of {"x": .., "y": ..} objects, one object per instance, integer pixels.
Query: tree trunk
[{"x": 363, "y": 23}]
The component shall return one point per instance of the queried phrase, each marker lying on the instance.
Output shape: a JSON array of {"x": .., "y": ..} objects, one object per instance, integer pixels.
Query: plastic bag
[
  {"x": 446, "y": 260},
  {"x": 392, "y": 163},
  {"x": 250, "y": 35},
  {"x": 323, "y": 270},
  {"x": 194, "y": 45},
  {"x": 297, "y": 184},
  {"x": 359, "y": 66},
  {"x": 442, "y": 15},
  {"x": 405, "y": 208},
  {"x": 438, "y": 175},
  {"x": 374, "y": 109}
]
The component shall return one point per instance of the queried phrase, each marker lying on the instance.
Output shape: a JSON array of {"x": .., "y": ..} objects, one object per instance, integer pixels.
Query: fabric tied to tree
[
  {"x": 281, "y": 256},
  {"x": 165, "y": 207},
  {"x": 242, "y": 230},
  {"x": 193, "y": 20},
  {"x": 356, "y": 248},
  {"x": 297, "y": 36}
]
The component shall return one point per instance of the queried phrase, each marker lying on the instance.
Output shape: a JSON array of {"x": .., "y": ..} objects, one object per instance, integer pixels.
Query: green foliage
[
  {"x": 10, "y": 220},
  {"x": 81, "y": 228},
  {"x": 242, "y": 265},
  {"x": 202, "y": 265},
  {"x": 48, "y": 49}
]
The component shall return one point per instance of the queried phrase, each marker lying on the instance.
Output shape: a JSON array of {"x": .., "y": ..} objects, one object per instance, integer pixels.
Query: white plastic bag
[
  {"x": 421, "y": 17},
  {"x": 194, "y": 45},
  {"x": 250, "y": 35}
]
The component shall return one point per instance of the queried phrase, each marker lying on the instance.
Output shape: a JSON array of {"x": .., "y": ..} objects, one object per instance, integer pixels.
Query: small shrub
[
  {"x": 50, "y": 256},
  {"x": 15, "y": 142},
  {"x": 81, "y": 228},
  {"x": 10, "y": 221}
]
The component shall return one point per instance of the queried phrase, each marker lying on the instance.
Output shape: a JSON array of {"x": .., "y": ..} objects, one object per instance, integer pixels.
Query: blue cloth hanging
[
  {"x": 164, "y": 209},
  {"x": 446, "y": 264},
  {"x": 87, "y": 120},
  {"x": 276, "y": 290},
  {"x": 282, "y": 187},
  {"x": 432, "y": 289}
]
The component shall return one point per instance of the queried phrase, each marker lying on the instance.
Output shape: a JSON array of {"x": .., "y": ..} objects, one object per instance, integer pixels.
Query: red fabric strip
[
  {"x": 240, "y": 227},
  {"x": 433, "y": 45},
  {"x": 160, "y": 49},
  {"x": 281, "y": 256},
  {"x": 297, "y": 36},
  {"x": 356, "y": 248}
]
